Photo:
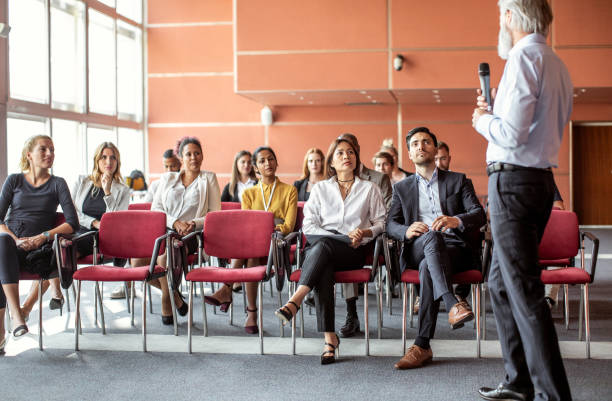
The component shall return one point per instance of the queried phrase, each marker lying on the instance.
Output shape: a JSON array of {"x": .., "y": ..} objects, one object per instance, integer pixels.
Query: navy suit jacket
[{"x": 457, "y": 198}]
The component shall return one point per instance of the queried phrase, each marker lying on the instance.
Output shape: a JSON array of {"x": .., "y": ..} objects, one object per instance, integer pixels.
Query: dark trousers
[
  {"x": 438, "y": 256},
  {"x": 322, "y": 260},
  {"x": 12, "y": 259},
  {"x": 520, "y": 203}
]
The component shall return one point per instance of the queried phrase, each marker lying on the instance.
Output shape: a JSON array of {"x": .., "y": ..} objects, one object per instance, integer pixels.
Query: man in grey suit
[{"x": 434, "y": 212}]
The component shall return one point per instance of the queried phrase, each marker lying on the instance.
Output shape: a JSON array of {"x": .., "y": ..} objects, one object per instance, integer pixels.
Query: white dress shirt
[
  {"x": 151, "y": 192},
  {"x": 326, "y": 212},
  {"x": 532, "y": 106},
  {"x": 429, "y": 200},
  {"x": 240, "y": 186}
]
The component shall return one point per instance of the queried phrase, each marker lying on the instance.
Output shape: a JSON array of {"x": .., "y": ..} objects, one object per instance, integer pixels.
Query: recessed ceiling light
[
  {"x": 435, "y": 91},
  {"x": 363, "y": 92},
  {"x": 301, "y": 97},
  {"x": 310, "y": 102},
  {"x": 369, "y": 97},
  {"x": 582, "y": 90},
  {"x": 575, "y": 95},
  {"x": 438, "y": 100},
  {"x": 291, "y": 93},
  {"x": 374, "y": 101},
  {"x": 436, "y": 96}
]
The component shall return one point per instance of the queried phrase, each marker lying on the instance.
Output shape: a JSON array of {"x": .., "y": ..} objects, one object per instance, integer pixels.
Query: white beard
[{"x": 504, "y": 42}]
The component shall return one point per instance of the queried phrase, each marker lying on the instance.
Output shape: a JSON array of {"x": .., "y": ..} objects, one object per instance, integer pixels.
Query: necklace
[
  {"x": 351, "y": 180},
  {"x": 263, "y": 198}
]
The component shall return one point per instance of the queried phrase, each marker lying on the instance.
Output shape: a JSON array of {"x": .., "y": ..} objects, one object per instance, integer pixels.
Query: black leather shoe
[
  {"x": 503, "y": 393},
  {"x": 351, "y": 326}
]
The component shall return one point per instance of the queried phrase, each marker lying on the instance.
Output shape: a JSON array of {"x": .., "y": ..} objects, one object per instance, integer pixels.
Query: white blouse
[
  {"x": 326, "y": 212},
  {"x": 240, "y": 186}
]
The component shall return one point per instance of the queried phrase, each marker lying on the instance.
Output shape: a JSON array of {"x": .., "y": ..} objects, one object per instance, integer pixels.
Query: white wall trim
[
  {"x": 189, "y": 74},
  {"x": 188, "y": 24},
  {"x": 205, "y": 124}
]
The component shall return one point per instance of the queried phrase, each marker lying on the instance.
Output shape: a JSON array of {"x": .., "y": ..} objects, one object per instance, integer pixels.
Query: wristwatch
[{"x": 47, "y": 235}]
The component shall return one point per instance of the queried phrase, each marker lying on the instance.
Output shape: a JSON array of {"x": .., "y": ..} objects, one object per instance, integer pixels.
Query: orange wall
[{"x": 198, "y": 56}]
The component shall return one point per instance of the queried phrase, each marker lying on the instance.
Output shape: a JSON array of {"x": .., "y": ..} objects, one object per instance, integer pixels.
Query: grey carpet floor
[{"x": 94, "y": 375}]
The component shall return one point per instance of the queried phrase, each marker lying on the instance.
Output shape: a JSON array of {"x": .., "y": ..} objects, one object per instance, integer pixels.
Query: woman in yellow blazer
[{"x": 271, "y": 195}]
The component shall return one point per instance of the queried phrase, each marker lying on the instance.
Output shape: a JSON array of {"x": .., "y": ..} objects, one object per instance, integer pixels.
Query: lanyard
[{"x": 263, "y": 198}]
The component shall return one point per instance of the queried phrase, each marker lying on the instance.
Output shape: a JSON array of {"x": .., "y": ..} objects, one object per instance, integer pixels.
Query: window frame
[{"x": 23, "y": 109}]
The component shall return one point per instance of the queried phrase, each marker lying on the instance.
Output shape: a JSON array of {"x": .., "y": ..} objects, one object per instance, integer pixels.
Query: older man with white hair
[{"x": 524, "y": 131}]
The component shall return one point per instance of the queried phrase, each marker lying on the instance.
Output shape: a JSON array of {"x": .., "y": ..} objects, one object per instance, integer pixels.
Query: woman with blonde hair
[
  {"x": 243, "y": 177},
  {"x": 397, "y": 174},
  {"x": 312, "y": 173},
  {"x": 28, "y": 204},
  {"x": 100, "y": 192}
]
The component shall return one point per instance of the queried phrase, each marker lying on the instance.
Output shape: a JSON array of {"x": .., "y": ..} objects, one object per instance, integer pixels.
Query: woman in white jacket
[{"x": 186, "y": 197}]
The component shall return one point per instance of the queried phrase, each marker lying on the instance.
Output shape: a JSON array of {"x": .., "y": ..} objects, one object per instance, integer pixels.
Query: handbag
[{"x": 41, "y": 261}]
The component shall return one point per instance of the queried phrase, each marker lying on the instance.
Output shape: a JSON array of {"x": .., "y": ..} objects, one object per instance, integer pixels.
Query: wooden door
[{"x": 592, "y": 173}]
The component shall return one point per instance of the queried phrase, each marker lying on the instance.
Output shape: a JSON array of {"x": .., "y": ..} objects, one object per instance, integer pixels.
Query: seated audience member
[
  {"x": 102, "y": 191},
  {"x": 171, "y": 163},
  {"x": 431, "y": 213},
  {"x": 443, "y": 160},
  {"x": 243, "y": 177},
  {"x": 30, "y": 198},
  {"x": 186, "y": 197},
  {"x": 351, "y": 291},
  {"x": 398, "y": 173},
  {"x": 271, "y": 195},
  {"x": 383, "y": 163},
  {"x": 312, "y": 173},
  {"x": 343, "y": 214}
]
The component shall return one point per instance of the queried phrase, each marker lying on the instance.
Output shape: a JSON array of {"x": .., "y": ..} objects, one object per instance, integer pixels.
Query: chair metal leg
[
  {"x": 587, "y": 324},
  {"x": 127, "y": 291},
  {"x": 95, "y": 306},
  {"x": 77, "y": 318},
  {"x": 212, "y": 289},
  {"x": 293, "y": 323},
  {"x": 190, "y": 316},
  {"x": 231, "y": 314},
  {"x": 483, "y": 303},
  {"x": 473, "y": 303},
  {"x": 366, "y": 318},
  {"x": 132, "y": 296},
  {"x": 280, "y": 304},
  {"x": 67, "y": 296},
  {"x": 566, "y": 305},
  {"x": 260, "y": 317},
  {"x": 144, "y": 316},
  {"x": 204, "y": 320},
  {"x": 40, "y": 320},
  {"x": 580, "y": 314},
  {"x": 404, "y": 307},
  {"x": 476, "y": 295},
  {"x": 302, "y": 321},
  {"x": 172, "y": 305},
  {"x": 101, "y": 307},
  {"x": 379, "y": 309},
  {"x": 244, "y": 300},
  {"x": 148, "y": 286},
  {"x": 411, "y": 304}
]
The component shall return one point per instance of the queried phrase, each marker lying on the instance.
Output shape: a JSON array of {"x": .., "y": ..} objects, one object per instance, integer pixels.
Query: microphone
[{"x": 485, "y": 84}]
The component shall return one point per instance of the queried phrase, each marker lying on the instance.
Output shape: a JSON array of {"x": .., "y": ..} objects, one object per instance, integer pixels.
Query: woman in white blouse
[
  {"x": 342, "y": 214},
  {"x": 186, "y": 197}
]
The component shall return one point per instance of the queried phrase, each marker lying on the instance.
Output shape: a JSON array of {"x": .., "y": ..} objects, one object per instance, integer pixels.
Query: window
[
  {"x": 68, "y": 55},
  {"x": 129, "y": 72},
  {"x": 69, "y": 159},
  {"x": 102, "y": 88},
  {"x": 28, "y": 51},
  {"x": 76, "y": 74},
  {"x": 18, "y": 130},
  {"x": 131, "y": 144}
]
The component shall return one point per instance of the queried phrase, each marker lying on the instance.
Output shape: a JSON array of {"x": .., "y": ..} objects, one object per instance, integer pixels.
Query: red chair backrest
[
  {"x": 231, "y": 206},
  {"x": 238, "y": 234},
  {"x": 561, "y": 238},
  {"x": 131, "y": 233},
  {"x": 300, "y": 216},
  {"x": 140, "y": 206}
]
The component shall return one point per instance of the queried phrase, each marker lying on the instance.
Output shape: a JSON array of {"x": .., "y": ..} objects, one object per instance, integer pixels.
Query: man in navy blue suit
[{"x": 433, "y": 212}]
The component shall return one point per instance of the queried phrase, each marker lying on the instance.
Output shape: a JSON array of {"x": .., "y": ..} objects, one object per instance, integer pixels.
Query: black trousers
[
  {"x": 520, "y": 203},
  {"x": 322, "y": 260},
  {"x": 85, "y": 246},
  {"x": 438, "y": 256},
  {"x": 12, "y": 260}
]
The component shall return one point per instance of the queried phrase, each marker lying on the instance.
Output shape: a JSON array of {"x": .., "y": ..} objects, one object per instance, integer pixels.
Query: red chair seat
[
  {"x": 349, "y": 276},
  {"x": 467, "y": 277},
  {"x": 555, "y": 262},
  {"x": 23, "y": 275},
  {"x": 568, "y": 275},
  {"x": 223, "y": 275},
  {"x": 112, "y": 273}
]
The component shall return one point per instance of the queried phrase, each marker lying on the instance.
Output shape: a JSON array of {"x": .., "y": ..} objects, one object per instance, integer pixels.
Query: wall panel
[
  {"x": 172, "y": 50},
  {"x": 188, "y": 11},
  {"x": 588, "y": 67},
  {"x": 585, "y": 22}
]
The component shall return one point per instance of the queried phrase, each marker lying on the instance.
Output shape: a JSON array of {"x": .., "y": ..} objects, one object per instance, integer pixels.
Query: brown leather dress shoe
[
  {"x": 415, "y": 358},
  {"x": 460, "y": 314}
]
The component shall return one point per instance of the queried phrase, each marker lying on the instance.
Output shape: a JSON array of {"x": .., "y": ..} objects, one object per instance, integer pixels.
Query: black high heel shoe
[
  {"x": 184, "y": 308},
  {"x": 56, "y": 303},
  {"x": 334, "y": 351},
  {"x": 285, "y": 314}
]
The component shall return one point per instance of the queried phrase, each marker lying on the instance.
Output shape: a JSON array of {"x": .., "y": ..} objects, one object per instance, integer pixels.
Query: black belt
[{"x": 499, "y": 166}]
